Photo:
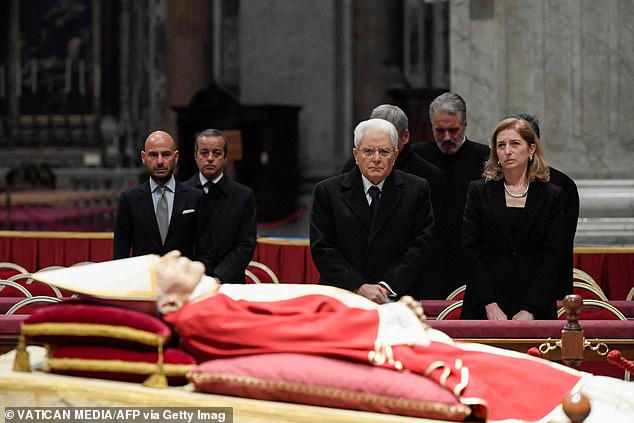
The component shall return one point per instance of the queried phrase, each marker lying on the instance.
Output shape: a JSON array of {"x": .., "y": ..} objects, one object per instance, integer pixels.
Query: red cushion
[
  {"x": 591, "y": 312},
  {"x": 327, "y": 382},
  {"x": 10, "y": 325},
  {"x": 118, "y": 364},
  {"x": 83, "y": 323},
  {"x": 538, "y": 329}
]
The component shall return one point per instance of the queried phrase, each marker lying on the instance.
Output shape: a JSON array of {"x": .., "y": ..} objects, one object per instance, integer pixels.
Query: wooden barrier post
[{"x": 572, "y": 339}]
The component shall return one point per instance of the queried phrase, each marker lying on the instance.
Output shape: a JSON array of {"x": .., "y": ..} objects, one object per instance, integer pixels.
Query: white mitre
[{"x": 129, "y": 282}]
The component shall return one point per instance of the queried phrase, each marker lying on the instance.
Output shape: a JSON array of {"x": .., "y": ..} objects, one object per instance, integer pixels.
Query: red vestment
[{"x": 509, "y": 385}]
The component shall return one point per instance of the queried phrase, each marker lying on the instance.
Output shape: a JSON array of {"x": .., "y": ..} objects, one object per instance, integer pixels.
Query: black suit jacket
[
  {"x": 233, "y": 228},
  {"x": 519, "y": 273},
  {"x": 350, "y": 249},
  {"x": 459, "y": 170},
  {"x": 433, "y": 283},
  {"x": 136, "y": 232},
  {"x": 570, "y": 196}
]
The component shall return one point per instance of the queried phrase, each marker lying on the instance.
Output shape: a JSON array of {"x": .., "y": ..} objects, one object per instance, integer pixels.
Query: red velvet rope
[
  {"x": 615, "y": 357},
  {"x": 534, "y": 352}
]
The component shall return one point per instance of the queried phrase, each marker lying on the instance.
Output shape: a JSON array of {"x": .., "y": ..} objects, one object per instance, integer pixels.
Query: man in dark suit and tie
[
  {"x": 371, "y": 228},
  {"x": 231, "y": 206},
  {"x": 161, "y": 214},
  {"x": 432, "y": 283}
]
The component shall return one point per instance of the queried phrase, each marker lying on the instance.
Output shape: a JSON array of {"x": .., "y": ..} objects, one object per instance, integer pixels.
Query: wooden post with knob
[
  {"x": 572, "y": 338},
  {"x": 576, "y": 406}
]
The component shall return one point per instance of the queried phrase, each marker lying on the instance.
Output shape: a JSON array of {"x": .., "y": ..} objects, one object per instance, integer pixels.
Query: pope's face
[{"x": 375, "y": 155}]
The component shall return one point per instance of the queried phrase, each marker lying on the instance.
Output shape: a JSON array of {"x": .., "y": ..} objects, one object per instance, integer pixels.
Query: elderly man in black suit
[
  {"x": 462, "y": 161},
  {"x": 231, "y": 207},
  {"x": 161, "y": 214},
  {"x": 432, "y": 283},
  {"x": 371, "y": 228}
]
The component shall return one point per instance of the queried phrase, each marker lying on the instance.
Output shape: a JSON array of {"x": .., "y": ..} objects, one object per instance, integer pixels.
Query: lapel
[
  {"x": 495, "y": 197},
  {"x": 195, "y": 181},
  {"x": 177, "y": 207},
  {"x": 534, "y": 203},
  {"x": 390, "y": 198},
  {"x": 146, "y": 203},
  {"x": 219, "y": 203},
  {"x": 354, "y": 197}
]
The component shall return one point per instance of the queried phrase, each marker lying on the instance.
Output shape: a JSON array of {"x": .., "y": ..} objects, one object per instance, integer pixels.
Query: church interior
[{"x": 83, "y": 83}]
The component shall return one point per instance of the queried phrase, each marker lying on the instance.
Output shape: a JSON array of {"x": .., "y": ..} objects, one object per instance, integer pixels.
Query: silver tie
[{"x": 162, "y": 217}]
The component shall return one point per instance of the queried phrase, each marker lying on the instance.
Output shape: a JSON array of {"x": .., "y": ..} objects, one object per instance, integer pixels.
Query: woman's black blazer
[{"x": 518, "y": 273}]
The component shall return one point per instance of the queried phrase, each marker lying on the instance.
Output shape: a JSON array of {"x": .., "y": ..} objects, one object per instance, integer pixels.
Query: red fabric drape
[
  {"x": 36, "y": 250},
  {"x": 612, "y": 268},
  {"x": 290, "y": 259}
]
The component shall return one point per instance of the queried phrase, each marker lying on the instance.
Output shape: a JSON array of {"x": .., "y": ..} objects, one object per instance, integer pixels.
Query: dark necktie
[
  {"x": 375, "y": 194},
  {"x": 211, "y": 189},
  {"x": 162, "y": 217}
]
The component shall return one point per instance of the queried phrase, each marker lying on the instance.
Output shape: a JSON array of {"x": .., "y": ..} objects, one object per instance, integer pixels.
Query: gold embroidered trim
[
  {"x": 381, "y": 353},
  {"x": 464, "y": 381},
  {"x": 433, "y": 366},
  {"x": 116, "y": 366},
  {"x": 60, "y": 235},
  {"x": 92, "y": 329},
  {"x": 282, "y": 241},
  {"x": 334, "y": 393},
  {"x": 444, "y": 376}
]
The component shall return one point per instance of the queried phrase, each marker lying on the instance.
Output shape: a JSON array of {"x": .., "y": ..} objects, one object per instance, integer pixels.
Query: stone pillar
[
  {"x": 288, "y": 57},
  {"x": 377, "y": 54},
  {"x": 188, "y": 51},
  {"x": 568, "y": 62},
  {"x": 142, "y": 74}
]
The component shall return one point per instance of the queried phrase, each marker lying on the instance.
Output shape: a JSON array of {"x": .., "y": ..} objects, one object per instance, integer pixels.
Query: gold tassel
[
  {"x": 157, "y": 379},
  {"x": 21, "y": 363}
]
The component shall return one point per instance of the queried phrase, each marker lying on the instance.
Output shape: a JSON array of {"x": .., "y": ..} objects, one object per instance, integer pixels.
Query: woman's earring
[{"x": 530, "y": 159}]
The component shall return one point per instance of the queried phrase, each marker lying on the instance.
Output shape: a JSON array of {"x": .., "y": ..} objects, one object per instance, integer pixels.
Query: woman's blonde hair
[{"x": 537, "y": 167}]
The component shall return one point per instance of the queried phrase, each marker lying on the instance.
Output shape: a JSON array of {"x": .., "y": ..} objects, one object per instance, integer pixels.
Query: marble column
[
  {"x": 288, "y": 56},
  {"x": 188, "y": 51},
  {"x": 569, "y": 62}
]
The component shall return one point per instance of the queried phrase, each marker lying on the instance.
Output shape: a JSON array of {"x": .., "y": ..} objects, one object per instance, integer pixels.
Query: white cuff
[{"x": 391, "y": 293}]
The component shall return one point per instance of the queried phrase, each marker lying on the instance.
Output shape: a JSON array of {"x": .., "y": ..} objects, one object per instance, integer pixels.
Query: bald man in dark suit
[{"x": 161, "y": 214}]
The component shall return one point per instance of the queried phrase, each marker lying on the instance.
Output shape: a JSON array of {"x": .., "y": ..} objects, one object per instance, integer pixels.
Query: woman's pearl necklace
[{"x": 515, "y": 195}]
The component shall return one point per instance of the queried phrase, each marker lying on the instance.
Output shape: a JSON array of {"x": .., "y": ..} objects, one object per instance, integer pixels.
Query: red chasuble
[{"x": 499, "y": 384}]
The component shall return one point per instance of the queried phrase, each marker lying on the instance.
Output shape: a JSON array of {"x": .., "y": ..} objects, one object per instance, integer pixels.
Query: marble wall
[
  {"x": 289, "y": 56},
  {"x": 569, "y": 62}
]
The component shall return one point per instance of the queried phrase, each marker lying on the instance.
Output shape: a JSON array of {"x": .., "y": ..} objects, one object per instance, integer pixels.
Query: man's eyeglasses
[{"x": 370, "y": 152}]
